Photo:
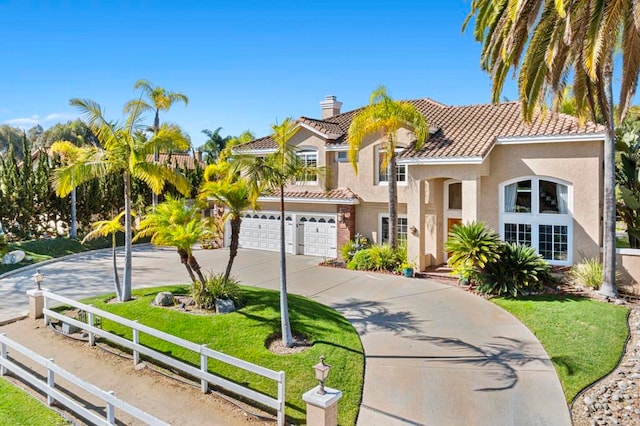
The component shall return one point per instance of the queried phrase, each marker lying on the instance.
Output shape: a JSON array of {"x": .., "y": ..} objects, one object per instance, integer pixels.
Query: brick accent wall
[{"x": 346, "y": 226}]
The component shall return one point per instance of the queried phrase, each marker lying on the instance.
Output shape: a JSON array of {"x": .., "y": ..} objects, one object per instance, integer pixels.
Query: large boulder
[
  {"x": 224, "y": 306},
  {"x": 164, "y": 298}
]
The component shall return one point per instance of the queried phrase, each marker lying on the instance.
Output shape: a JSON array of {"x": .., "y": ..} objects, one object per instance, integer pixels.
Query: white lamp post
[{"x": 37, "y": 278}]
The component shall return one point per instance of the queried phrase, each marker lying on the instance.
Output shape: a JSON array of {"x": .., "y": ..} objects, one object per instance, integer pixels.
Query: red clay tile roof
[
  {"x": 177, "y": 160},
  {"x": 333, "y": 194},
  {"x": 464, "y": 131}
]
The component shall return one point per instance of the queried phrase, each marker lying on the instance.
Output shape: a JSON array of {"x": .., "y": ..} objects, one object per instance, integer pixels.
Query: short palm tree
[
  {"x": 158, "y": 99},
  {"x": 548, "y": 42},
  {"x": 232, "y": 191},
  {"x": 124, "y": 151},
  {"x": 472, "y": 246},
  {"x": 273, "y": 173},
  {"x": 174, "y": 223},
  {"x": 384, "y": 116},
  {"x": 105, "y": 228}
]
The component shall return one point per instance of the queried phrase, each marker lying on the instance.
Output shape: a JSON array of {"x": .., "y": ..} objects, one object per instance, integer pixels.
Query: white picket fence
[
  {"x": 206, "y": 378},
  {"x": 54, "y": 395}
]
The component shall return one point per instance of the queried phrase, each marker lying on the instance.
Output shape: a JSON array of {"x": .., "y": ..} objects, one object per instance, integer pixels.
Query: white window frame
[
  {"x": 341, "y": 156},
  {"x": 535, "y": 218},
  {"x": 378, "y": 172},
  {"x": 386, "y": 215},
  {"x": 304, "y": 154}
]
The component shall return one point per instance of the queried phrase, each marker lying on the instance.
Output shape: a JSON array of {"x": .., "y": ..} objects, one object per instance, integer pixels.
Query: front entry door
[{"x": 450, "y": 222}]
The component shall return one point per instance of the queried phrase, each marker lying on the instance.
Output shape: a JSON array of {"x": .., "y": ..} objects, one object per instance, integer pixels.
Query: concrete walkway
[{"x": 435, "y": 355}]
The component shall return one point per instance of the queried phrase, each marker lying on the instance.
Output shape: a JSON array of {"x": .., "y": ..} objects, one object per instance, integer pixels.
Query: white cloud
[
  {"x": 24, "y": 123},
  {"x": 60, "y": 116}
]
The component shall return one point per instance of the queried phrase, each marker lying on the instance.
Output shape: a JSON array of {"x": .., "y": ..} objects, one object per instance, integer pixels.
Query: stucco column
[
  {"x": 470, "y": 199},
  {"x": 416, "y": 223}
]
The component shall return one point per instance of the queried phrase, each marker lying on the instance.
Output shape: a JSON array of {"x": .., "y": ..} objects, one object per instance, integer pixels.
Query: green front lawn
[
  {"x": 584, "y": 338},
  {"x": 243, "y": 334},
  {"x": 45, "y": 249},
  {"x": 19, "y": 408}
]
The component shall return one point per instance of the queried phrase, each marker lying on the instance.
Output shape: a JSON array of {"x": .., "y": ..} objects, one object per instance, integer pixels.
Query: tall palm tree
[
  {"x": 214, "y": 144},
  {"x": 104, "y": 228},
  {"x": 124, "y": 151},
  {"x": 547, "y": 42},
  {"x": 174, "y": 223},
  {"x": 384, "y": 116},
  {"x": 273, "y": 173},
  {"x": 158, "y": 99},
  {"x": 233, "y": 191}
]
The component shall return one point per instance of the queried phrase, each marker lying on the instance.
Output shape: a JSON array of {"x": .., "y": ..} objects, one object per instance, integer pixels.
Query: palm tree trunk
[
  {"x": 233, "y": 249},
  {"x": 126, "y": 285},
  {"x": 393, "y": 202},
  {"x": 184, "y": 259},
  {"x": 156, "y": 157},
  {"x": 73, "y": 227},
  {"x": 608, "y": 287},
  {"x": 287, "y": 338},
  {"x": 116, "y": 279}
]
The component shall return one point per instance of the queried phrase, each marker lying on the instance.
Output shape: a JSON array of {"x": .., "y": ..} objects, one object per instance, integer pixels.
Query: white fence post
[
  {"x": 91, "y": 320},
  {"x": 3, "y": 354},
  {"x": 111, "y": 416},
  {"x": 46, "y": 306},
  {"x": 281, "y": 399},
  {"x": 204, "y": 367},
  {"x": 50, "y": 382},
  {"x": 136, "y": 340}
]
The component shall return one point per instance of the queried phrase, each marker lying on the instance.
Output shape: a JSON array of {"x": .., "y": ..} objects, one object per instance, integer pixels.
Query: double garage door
[{"x": 314, "y": 235}]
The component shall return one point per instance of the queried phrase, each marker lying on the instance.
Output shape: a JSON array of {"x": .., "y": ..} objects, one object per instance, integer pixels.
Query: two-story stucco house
[{"x": 538, "y": 184}]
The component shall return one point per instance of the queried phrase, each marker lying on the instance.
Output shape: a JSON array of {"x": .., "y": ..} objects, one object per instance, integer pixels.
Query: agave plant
[
  {"x": 472, "y": 246},
  {"x": 520, "y": 268}
]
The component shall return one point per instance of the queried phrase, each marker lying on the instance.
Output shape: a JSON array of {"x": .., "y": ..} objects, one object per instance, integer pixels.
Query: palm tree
[
  {"x": 232, "y": 190},
  {"x": 159, "y": 99},
  {"x": 104, "y": 228},
  {"x": 385, "y": 116},
  {"x": 174, "y": 223},
  {"x": 124, "y": 150},
  {"x": 272, "y": 173},
  {"x": 548, "y": 42},
  {"x": 214, "y": 144}
]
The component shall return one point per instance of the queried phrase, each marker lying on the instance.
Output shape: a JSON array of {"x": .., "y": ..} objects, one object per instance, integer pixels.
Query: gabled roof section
[{"x": 458, "y": 132}]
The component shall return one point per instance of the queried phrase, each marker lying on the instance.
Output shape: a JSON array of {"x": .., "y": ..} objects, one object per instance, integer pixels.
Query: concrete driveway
[{"x": 435, "y": 355}]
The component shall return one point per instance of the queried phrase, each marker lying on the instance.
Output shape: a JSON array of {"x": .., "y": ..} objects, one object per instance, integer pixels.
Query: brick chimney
[{"x": 330, "y": 107}]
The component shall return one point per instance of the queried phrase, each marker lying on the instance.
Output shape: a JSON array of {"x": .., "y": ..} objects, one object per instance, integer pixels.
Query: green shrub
[
  {"x": 216, "y": 288},
  {"x": 4, "y": 245},
  {"x": 362, "y": 261},
  {"x": 519, "y": 268},
  {"x": 472, "y": 246},
  {"x": 588, "y": 273},
  {"x": 384, "y": 257}
]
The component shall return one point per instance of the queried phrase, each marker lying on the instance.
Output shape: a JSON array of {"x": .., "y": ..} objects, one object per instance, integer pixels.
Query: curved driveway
[{"x": 435, "y": 355}]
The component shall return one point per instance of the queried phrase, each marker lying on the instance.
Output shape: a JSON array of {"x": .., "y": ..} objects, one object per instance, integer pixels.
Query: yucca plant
[
  {"x": 520, "y": 268},
  {"x": 472, "y": 246}
]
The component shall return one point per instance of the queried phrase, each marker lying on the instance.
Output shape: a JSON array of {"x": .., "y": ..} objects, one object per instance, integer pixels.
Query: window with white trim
[
  {"x": 536, "y": 211},
  {"x": 383, "y": 174},
  {"x": 401, "y": 229},
  {"x": 309, "y": 158},
  {"x": 341, "y": 157}
]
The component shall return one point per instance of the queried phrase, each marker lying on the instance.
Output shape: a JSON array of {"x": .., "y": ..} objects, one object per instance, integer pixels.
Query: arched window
[{"x": 536, "y": 211}]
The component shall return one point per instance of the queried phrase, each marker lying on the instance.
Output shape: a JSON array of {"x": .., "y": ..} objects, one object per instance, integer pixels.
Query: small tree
[
  {"x": 472, "y": 246},
  {"x": 104, "y": 228}
]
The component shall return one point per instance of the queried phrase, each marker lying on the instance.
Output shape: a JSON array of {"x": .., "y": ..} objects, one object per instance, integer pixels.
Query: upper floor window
[
  {"x": 383, "y": 174},
  {"x": 309, "y": 159},
  {"x": 536, "y": 196},
  {"x": 342, "y": 157}
]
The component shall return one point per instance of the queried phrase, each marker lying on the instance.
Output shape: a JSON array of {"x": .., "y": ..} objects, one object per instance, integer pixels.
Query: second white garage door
[{"x": 316, "y": 235}]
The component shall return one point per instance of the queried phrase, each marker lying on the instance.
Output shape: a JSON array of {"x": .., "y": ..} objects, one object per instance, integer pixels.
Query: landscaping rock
[
  {"x": 224, "y": 306},
  {"x": 615, "y": 400},
  {"x": 164, "y": 298}
]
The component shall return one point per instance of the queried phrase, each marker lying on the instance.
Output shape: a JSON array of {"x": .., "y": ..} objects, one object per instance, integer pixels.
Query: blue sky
[{"x": 243, "y": 64}]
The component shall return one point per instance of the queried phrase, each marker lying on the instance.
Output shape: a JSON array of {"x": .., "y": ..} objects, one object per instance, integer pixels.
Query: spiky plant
[{"x": 472, "y": 246}]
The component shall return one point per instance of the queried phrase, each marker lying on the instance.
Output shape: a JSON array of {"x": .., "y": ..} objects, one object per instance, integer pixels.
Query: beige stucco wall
[
  {"x": 578, "y": 163},
  {"x": 628, "y": 266},
  {"x": 367, "y": 215}
]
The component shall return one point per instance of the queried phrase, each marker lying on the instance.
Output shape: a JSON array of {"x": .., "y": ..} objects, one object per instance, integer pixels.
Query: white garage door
[
  {"x": 261, "y": 231},
  {"x": 317, "y": 235}
]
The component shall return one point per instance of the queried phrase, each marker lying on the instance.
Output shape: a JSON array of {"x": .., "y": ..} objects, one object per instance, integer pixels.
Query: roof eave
[
  {"x": 441, "y": 160},
  {"x": 348, "y": 201}
]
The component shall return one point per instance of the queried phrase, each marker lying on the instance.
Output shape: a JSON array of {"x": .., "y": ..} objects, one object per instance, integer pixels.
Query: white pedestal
[
  {"x": 322, "y": 410},
  {"x": 36, "y": 303}
]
